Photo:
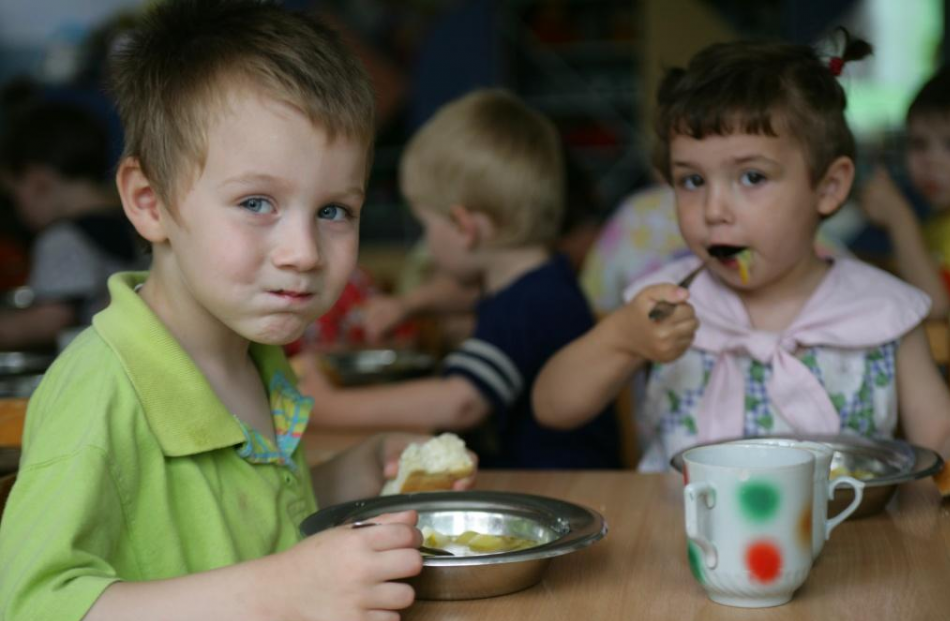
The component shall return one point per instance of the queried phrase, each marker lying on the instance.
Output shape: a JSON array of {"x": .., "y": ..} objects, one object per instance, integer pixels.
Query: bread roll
[{"x": 432, "y": 466}]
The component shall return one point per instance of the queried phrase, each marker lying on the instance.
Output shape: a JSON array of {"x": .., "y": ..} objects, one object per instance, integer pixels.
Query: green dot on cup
[{"x": 759, "y": 500}]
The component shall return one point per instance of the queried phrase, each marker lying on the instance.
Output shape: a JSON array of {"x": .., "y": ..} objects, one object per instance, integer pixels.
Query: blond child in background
[
  {"x": 753, "y": 138},
  {"x": 485, "y": 177},
  {"x": 162, "y": 474},
  {"x": 921, "y": 252}
]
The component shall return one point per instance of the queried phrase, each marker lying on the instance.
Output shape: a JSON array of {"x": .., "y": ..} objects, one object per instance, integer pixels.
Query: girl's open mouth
[{"x": 734, "y": 257}]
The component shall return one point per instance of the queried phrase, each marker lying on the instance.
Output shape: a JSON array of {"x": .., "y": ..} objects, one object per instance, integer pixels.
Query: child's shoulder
[
  {"x": 861, "y": 281},
  {"x": 78, "y": 400}
]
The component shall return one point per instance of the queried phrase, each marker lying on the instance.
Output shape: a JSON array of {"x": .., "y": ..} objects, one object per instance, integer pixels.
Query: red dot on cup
[{"x": 764, "y": 560}]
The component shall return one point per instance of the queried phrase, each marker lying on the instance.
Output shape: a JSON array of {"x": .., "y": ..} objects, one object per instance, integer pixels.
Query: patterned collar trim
[{"x": 290, "y": 411}]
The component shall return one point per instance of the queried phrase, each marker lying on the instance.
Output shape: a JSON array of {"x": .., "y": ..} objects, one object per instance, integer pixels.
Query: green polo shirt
[{"x": 130, "y": 471}]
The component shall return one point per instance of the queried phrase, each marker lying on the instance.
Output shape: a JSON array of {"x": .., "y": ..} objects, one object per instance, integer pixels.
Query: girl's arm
[
  {"x": 582, "y": 378},
  {"x": 923, "y": 397}
]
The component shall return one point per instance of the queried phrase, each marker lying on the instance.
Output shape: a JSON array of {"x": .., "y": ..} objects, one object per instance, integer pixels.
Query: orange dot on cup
[{"x": 764, "y": 560}]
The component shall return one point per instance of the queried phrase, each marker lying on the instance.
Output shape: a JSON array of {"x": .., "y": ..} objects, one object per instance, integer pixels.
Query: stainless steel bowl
[
  {"x": 558, "y": 526},
  {"x": 891, "y": 462},
  {"x": 373, "y": 366}
]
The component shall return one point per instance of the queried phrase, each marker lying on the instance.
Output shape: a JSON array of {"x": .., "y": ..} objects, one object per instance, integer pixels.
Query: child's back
[{"x": 491, "y": 210}]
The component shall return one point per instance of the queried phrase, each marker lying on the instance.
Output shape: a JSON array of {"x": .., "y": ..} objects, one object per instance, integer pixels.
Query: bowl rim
[
  {"x": 919, "y": 461},
  {"x": 584, "y": 526}
]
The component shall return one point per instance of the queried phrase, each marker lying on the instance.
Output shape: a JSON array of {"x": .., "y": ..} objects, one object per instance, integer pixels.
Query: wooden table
[{"x": 894, "y": 565}]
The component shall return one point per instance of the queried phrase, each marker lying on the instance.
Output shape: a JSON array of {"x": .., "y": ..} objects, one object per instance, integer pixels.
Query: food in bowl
[{"x": 471, "y": 543}]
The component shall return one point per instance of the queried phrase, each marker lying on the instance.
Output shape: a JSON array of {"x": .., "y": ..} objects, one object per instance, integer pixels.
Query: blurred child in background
[
  {"x": 753, "y": 138},
  {"x": 921, "y": 252},
  {"x": 54, "y": 160},
  {"x": 485, "y": 177}
]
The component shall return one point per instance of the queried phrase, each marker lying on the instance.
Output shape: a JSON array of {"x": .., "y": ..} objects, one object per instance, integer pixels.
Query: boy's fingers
[
  {"x": 403, "y": 517},
  {"x": 389, "y": 596},
  {"x": 395, "y": 565},
  {"x": 392, "y": 536}
]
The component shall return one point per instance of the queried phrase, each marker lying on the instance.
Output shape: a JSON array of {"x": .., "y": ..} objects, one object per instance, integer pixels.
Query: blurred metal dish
[
  {"x": 373, "y": 366},
  {"x": 24, "y": 362},
  {"x": 883, "y": 465},
  {"x": 15, "y": 386},
  {"x": 558, "y": 526}
]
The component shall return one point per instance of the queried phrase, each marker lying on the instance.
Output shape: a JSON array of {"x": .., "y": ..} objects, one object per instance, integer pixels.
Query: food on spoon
[
  {"x": 744, "y": 259},
  {"x": 433, "y": 466}
]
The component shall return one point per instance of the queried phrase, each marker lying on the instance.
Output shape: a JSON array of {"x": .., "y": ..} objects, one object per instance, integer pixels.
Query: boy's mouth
[{"x": 292, "y": 295}]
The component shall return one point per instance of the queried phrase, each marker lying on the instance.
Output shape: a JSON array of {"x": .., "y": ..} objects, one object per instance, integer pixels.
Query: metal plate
[
  {"x": 560, "y": 527},
  {"x": 891, "y": 462},
  {"x": 18, "y": 362},
  {"x": 371, "y": 366}
]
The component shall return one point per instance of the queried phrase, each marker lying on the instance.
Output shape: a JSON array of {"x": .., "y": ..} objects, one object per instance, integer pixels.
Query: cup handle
[
  {"x": 691, "y": 496},
  {"x": 858, "y": 487}
]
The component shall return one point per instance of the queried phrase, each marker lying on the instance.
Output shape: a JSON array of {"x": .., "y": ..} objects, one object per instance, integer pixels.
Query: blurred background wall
[{"x": 592, "y": 65}]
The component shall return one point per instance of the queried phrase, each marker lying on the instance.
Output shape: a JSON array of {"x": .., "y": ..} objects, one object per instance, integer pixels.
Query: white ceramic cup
[
  {"x": 823, "y": 492},
  {"x": 749, "y": 521}
]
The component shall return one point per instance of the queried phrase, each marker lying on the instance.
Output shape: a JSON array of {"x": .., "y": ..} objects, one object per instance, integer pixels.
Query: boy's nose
[{"x": 297, "y": 248}]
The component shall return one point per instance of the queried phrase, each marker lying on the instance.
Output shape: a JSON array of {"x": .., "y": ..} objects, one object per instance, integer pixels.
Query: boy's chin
[{"x": 275, "y": 334}]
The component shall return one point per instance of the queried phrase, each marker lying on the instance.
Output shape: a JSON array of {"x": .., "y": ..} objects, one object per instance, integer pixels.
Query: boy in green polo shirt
[{"x": 162, "y": 476}]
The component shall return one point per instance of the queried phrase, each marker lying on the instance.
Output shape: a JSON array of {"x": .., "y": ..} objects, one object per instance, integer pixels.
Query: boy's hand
[
  {"x": 658, "y": 341},
  {"x": 381, "y": 314},
  {"x": 346, "y": 574},
  {"x": 883, "y": 202}
]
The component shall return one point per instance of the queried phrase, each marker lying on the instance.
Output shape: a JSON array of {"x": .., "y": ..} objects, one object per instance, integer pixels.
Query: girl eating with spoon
[{"x": 753, "y": 138}]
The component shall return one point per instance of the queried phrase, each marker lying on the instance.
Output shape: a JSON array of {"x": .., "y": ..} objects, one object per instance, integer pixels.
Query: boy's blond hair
[
  {"x": 490, "y": 153},
  {"x": 172, "y": 77}
]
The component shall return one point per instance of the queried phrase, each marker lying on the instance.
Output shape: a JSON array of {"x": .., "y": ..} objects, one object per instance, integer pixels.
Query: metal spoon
[{"x": 664, "y": 309}]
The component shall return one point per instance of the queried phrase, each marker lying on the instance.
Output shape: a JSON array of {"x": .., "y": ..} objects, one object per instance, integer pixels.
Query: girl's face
[
  {"x": 928, "y": 158},
  {"x": 746, "y": 192}
]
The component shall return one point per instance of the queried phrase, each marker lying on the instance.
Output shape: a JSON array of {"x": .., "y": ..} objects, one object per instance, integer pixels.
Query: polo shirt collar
[{"x": 181, "y": 407}]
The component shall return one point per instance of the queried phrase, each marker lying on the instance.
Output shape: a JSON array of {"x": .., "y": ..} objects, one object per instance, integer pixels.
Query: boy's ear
[
  {"x": 834, "y": 188},
  {"x": 475, "y": 226},
  {"x": 140, "y": 201}
]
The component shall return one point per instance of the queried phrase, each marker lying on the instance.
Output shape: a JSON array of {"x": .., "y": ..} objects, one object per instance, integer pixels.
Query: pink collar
[{"x": 887, "y": 307}]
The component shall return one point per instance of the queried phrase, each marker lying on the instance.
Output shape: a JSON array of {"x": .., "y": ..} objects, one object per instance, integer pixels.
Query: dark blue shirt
[{"x": 517, "y": 330}]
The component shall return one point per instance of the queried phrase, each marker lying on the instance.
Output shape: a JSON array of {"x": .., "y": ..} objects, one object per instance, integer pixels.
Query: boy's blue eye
[
  {"x": 332, "y": 212},
  {"x": 691, "y": 182},
  {"x": 257, "y": 204},
  {"x": 752, "y": 177}
]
